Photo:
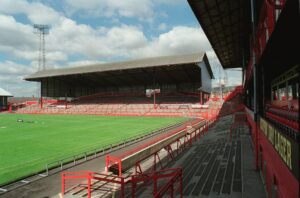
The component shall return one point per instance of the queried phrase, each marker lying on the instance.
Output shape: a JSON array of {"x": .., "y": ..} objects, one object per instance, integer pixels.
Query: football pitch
[{"x": 29, "y": 142}]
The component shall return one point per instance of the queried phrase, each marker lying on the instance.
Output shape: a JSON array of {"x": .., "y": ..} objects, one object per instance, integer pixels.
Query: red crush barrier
[{"x": 87, "y": 183}]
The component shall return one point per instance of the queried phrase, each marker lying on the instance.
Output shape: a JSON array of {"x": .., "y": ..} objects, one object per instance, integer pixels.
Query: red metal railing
[
  {"x": 170, "y": 187},
  {"x": 161, "y": 183},
  {"x": 236, "y": 91},
  {"x": 76, "y": 180},
  {"x": 292, "y": 124},
  {"x": 115, "y": 162},
  {"x": 156, "y": 140}
]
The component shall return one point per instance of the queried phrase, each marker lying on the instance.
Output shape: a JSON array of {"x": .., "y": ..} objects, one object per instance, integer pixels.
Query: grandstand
[{"x": 120, "y": 88}]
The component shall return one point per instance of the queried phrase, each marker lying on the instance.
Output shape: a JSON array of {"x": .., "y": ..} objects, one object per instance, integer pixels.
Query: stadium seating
[{"x": 129, "y": 104}]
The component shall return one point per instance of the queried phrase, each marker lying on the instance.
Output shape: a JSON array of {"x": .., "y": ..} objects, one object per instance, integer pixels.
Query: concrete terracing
[{"x": 216, "y": 166}]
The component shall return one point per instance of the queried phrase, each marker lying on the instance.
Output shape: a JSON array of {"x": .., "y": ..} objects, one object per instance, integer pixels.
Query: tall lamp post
[{"x": 41, "y": 31}]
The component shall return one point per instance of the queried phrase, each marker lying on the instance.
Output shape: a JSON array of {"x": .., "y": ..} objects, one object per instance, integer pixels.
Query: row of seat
[{"x": 172, "y": 105}]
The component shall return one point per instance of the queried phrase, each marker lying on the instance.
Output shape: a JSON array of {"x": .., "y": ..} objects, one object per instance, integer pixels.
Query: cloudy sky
[{"x": 90, "y": 31}]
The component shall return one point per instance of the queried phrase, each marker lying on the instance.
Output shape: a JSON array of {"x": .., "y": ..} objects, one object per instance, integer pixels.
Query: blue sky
[{"x": 90, "y": 31}]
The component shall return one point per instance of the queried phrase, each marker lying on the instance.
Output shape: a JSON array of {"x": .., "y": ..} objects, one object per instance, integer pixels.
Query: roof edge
[{"x": 121, "y": 65}]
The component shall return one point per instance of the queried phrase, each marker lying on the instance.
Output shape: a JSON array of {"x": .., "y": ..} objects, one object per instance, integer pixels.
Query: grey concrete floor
[{"x": 216, "y": 166}]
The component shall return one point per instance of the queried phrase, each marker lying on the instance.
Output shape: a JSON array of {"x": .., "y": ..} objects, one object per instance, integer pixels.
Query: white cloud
[
  {"x": 67, "y": 38},
  {"x": 11, "y": 78},
  {"x": 141, "y": 9},
  {"x": 234, "y": 76},
  {"x": 13, "y": 33},
  {"x": 36, "y": 12},
  {"x": 9, "y": 68},
  {"x": 179, "y": 40},
  {"x": 71, "y": 38}
]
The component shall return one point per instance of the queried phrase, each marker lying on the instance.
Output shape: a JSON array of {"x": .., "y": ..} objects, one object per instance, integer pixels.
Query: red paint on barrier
[{"x": 287, "y": 184}]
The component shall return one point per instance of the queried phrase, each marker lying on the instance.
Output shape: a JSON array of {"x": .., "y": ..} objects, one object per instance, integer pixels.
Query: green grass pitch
[{"x": 26, "y": 147}]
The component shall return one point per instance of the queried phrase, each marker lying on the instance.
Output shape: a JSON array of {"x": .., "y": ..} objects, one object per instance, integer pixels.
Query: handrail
[
  {"x": 236, "y": 91},
  {"x": 155, "y": 140},
  {"x": 289, "y": 123},
  {"x": 165, "y": 188},
  {"x": 174, "y": 175}
]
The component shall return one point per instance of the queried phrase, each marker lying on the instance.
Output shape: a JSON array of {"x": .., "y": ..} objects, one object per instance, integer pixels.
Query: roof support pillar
[{"x": 255, "y": 69}]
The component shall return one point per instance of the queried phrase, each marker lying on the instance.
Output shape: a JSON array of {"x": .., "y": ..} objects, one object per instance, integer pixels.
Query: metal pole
[
  {"x": 47, "y": 170},
  {"x": 154, "y": 103},
  {"x": 122, "y": 188},
  {"x": 66, "y": 102},
  {"x": 43, "y": 51},
  {"x": 254, "y": 83},
  {"x": 106, "y": 163},
  {"x": 41, "y": 97},
  {"x": 154, "y": 185},
  {"x": 89, "y": 186},
  {"x": 201, "y": 97},
  {"x": 62, "y": 183}
]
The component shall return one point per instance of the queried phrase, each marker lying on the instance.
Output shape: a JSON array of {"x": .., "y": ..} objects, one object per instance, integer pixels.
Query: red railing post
[
  {"x": 201, "y": 98},
  {"x": 62, "y": 183},
  {"x": 122, "y": 188},
  {"x": 161, "y": 166},
  {"x": 180, "y": 183},
  {"x": 154, "y": 185},
  {"x": 172, "y": 190},
  {"x": 10, "y": 108},
  {"x": 120, "y": 168},
  {"x": 89, "y": 185},
  {"x": 106, "y": 163},
  {"x": 133, "y": 187},
  {"x": 41, "y": 104}
]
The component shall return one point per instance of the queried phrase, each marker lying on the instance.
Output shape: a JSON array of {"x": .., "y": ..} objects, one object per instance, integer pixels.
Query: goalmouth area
[{"x": 29, "y": 142}]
